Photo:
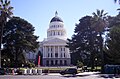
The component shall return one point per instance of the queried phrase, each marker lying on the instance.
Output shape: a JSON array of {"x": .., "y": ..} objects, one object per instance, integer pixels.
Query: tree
[
  {"x": 84, "y": 42},
  {"x": 18, "y": 37},
  {"x": 117, "y": 1},
  {"x": 5, "y": 12},
  {"x": 99, "y": 23},
  {"x": 79, "y": 64},
  {"x": 112, "y": 45}
]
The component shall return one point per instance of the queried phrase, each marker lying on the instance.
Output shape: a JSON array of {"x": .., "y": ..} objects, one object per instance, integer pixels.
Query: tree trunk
[
  {"x": 16, "y": 57},
  {"x": 92, "y": 60},
  {"x": 102, "y": 55},
  {"x": 3, "y": 20},
  {"x": 92, "y": 50},
  {"x": 1, "y": 35}
]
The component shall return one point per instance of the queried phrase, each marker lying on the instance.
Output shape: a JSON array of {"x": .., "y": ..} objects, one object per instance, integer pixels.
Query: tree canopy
[
  {"x": 117, "y": 1},
  {"x": 19, "y": 38},
  {"x": 5, "y": 13},
  {"x": 87, "y": 41},
  {"x": 113, "y": 42},
  {"x": 84, "y": 41}
]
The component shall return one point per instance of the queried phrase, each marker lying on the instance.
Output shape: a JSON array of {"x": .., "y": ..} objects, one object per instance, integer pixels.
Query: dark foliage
[
  {"x": 113, "y": 42},
  {"x": 19, "y": 38},
  {"x": 84, "y": 43}
]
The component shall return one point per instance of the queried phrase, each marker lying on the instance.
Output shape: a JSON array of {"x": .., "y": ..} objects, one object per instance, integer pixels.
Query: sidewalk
[
  {"x": 95, "y": 75},
  {"x": 84, "y": 73}
]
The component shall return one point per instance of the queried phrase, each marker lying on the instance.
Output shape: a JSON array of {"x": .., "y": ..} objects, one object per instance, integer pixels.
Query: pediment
[{"x": 55, "y": 41}]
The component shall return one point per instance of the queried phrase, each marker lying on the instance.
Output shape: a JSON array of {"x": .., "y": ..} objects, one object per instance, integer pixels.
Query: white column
[
  {"x": 58, "y": 52},
  {"x": 47, "y": 33},
  {"x": 55, "y": 32},
  {"x": 58, "y": 55},
  {"x": 49, "y": 51},
  {"x": 45, "y": 52},
  {"x": 62, "y": 52},
  {"x": 63, "y": 62},
  {"x": 53, "y": 51},
  {"x": 68, "y": 52}
]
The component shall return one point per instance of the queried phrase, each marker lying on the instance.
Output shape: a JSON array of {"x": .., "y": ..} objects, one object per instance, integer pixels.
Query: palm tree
[
  {"x": 5, "y": 12},
  {"x": 117, "y": 1},
  {"x": 99, "y": 24},
  {"x": 99, "y": 21}
]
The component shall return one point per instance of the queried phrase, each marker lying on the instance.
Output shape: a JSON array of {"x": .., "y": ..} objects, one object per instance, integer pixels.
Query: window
[
  {"x": 64, "y": 49},
  {"x": 65, "y": 62},
  {"x": 61, "y": 48},
  {"x": 51, "y": 55},
  {"x": 48, "y": 54},
  {"x": 56, "y": 54},
  {"x": 51, "y": 26},
  {"x": 51, "y": 48},
  {"x": 51, "y": 62},
  {"x": 47, "y": 63},
  {"x": 64, "y": 54},
  {"x": 60, "y": 62},
  {"x": 56, "y": 62}
]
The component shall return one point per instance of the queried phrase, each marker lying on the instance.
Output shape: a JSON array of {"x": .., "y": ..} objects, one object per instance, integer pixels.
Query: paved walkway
[
  {"x": 94, "y": 74},
  {"x": 84, "y": 75}
]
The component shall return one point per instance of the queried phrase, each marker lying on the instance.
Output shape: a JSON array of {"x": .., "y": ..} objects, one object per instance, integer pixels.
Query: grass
[
  {"x": 48, "y": 68},
  {"x": 95, "y": 68}
]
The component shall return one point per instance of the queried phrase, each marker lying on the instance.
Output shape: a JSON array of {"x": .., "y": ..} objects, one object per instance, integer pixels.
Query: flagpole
[{"x": 38, "y": 61}]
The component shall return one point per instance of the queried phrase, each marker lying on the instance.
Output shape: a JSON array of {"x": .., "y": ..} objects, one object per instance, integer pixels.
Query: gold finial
[{"x": 56, "y": 13}]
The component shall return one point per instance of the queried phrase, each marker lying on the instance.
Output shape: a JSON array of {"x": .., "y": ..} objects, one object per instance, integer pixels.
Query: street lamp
[
  {"x": 4, "y": 62},
  {"x": 22, "y": 65},
  {"x": 9, "y": 60},
  {"x": 96, "y": 62}
]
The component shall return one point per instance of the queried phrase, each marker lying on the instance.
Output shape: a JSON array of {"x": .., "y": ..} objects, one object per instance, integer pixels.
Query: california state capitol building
[{"x": 53, "y": 47}]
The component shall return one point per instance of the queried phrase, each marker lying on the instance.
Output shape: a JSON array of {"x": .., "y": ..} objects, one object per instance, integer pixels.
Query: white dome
[
  {"x": 56, "y": 18},
  {"x": 56, "y": 28}
]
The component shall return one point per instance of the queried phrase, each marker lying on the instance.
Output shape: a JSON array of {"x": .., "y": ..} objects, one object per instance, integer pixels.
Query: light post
[
  {"x": 9, "y": 60},
  {"x": 4, "y": 62},
  {"x": 22, "y": 65},
  {"x": 96, "y": 62},
  {"x": 8, "y": 63}
]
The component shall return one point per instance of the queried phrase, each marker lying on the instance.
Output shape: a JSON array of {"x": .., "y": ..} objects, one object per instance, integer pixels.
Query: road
[{"x": 58, "y": 76}]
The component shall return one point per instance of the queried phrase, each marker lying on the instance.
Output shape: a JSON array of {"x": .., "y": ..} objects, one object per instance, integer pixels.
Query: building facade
[{"x": 53, "y": 47}]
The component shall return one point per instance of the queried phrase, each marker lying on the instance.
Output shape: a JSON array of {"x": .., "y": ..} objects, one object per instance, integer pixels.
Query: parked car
[
  {"x": 2, "y": 71},
  {"x": 72, "y": 71}
]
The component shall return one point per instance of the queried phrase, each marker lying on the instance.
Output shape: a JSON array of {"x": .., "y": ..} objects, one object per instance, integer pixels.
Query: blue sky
[{"x": 40, "y": 12}]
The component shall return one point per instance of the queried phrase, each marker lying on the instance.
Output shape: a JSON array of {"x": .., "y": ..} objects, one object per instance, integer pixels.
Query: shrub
[{"x": 79, "y": 64}]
